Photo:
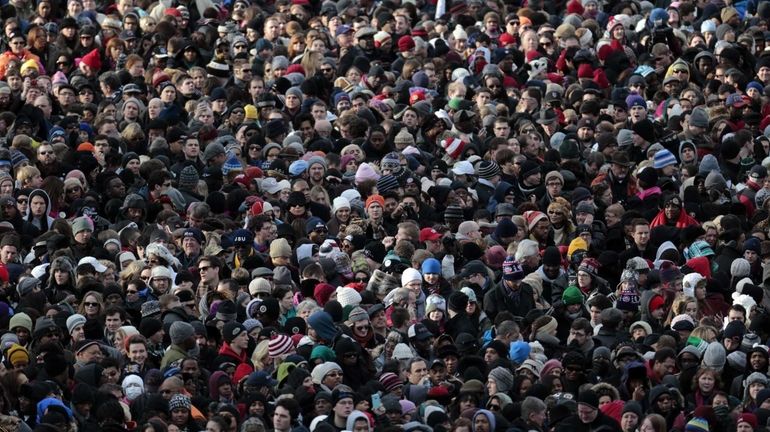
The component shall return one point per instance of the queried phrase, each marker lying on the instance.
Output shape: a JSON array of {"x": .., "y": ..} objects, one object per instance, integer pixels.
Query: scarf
[{"x": 684, "y": 220}]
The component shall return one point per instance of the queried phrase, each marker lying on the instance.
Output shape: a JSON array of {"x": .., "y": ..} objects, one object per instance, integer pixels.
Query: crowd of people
[{"x": 396, "y": 215}]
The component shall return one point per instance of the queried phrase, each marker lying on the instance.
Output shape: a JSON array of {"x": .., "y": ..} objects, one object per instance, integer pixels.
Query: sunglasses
[
  {"x": 90, "y": 304},
  {"x": 21, "y": 200},
  {"x": 204, "y": 268}
]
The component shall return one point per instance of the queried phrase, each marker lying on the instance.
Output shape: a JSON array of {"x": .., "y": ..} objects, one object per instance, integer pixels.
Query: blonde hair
[
  {"x": 27, "y": 173},
  {"x": 260, "y": 358}
]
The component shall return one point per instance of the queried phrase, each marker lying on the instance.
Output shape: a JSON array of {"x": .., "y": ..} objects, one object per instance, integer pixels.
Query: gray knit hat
[
  {"x": 180, "y": 331},
  {"x": 295, "y": 91},
  {"x": 188, "y": 177},
  {"x": 503, "y": 377},
  {"x": 74, "y": 321},
  {"x": 316, "y": 160}
]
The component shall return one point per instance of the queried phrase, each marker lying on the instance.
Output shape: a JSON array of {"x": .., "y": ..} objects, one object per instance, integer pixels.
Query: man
[
  {"x": 114, "y": 317},
  {"x": 588, "y": 416},
  {"x": 285, "y": 415},
  {"x": 182, "y": 340},
  {"x": 533, "y": 414},
  {"x": 192, "y": 241},
  {"x": 86, "y": 352},
  {"x": 641, "y": 236},
  {"x": 511, "y": 294},
  {"x": 234, "y": 347},
  {"x": 208, "y": 267},
  {"x": 664, "y": 363},
  {"x": 343, "y": 399}
]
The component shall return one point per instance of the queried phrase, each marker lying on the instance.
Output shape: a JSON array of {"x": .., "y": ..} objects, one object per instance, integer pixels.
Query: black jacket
[{"x": 498, "y": 299}]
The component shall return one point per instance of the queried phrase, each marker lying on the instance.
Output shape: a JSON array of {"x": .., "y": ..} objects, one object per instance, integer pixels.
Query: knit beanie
[
  {"x": 188, "y": 177},
  {"x": 179, "y": 401},
  {"x": 503, "y": 378},
  {"x": 280, "y": 248},
  {"x": 390, "y": 381},
  {"x": 180, "y": 331},
  {"x": 572, "y": 296},
  {"x": 740, "y": 268},
  {"x": 410, "y": 275},
  {"x": 628, "y": 300},
  {"x": 366, "y": 172},
  {"x": 279, "y": 344},
  {"x": 715, "y": 356},
  {"x": 348, "y": 296},
  {"x": 697, "y": 424},
  {"x": 74, "y": 321},
  {"x": 404, "y": 138}
]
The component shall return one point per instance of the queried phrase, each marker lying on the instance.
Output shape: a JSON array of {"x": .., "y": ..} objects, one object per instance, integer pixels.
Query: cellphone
[{"x": 376, "y": 401}]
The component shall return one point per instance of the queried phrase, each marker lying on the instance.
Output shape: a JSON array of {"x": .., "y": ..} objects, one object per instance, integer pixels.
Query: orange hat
[
  {"x": 375, "y": 199},
  {"x": 86, "y": 147}
]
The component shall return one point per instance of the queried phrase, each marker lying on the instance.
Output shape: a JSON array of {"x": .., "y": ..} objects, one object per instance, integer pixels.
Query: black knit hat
[{"x": 457, "y": 301}]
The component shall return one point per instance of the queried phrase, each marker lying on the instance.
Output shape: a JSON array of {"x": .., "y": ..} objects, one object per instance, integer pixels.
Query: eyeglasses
[
  {"x": 167, "y": 184},
  {"x": 204, "y": 268},
  {"x": 21, "y": 200},
  {"x": 362, "y": 328},
  {"x": 326, "y": 70},
  {"x": 546, "y": 44},
  {"x": 320, "y": 230},
  {"x": 494, "y": 407},
  {"x": 90, "y": 304}
]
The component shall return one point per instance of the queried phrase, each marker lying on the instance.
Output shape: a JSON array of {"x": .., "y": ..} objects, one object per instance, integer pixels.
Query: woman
[
  {"x": 180, "y": 407},
  {"x": 285, "y": 297},
  {"x": 653, "y": 423},
  {"x": 340, "y": 216},
  {"x": 115, "y": 47},
  {"x": 753, "y": 384},
  {"x": 476, "y": 314},
  {"x": 61, "y": 280},
  {"x": 92, "y": 305},
  {"x": 705, "y": 385},
  {"x": 39, "y": 46},
  {"x": 435, "y": 314}
]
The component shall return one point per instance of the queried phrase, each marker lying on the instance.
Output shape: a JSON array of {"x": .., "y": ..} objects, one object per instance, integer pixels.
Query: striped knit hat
[
  {"x": 279, "y": 345},
  {"x": 390, "y": 381},
  {"x": 663, "y": 158},
  {"x": 453, "y": 147}
]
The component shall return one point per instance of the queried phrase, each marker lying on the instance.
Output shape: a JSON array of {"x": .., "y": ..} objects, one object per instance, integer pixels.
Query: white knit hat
[
  {"x": 410, "y": 275},
  {"x": 402, "y": 352},
  {"x": 348, "y": 296}
]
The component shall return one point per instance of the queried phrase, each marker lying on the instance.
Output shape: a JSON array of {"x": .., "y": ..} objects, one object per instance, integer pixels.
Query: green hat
[{"x": 572, "y": 296}]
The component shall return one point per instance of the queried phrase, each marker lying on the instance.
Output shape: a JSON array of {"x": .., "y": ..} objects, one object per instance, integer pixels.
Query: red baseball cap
[{"x": 429, "y": 234}]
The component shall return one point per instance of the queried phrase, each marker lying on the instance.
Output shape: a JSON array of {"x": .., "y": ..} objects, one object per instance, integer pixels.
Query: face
[
  {"x": 481, "y": 424},
  {"x": 113, "y": 322},
  {"x": 642, "y": 235},
  {"x": 281, "y": 419},
  {"x": 586, "y": 413},
  {"x": 706, "y": 383}
]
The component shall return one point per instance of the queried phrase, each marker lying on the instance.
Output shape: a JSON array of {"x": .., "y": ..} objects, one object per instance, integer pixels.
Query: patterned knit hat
[
  {"x": 629, "y": 300},
  {"x": 179, "y": 401},
  {"x": 697, "y": 424},
  {"x": 386, "y": 183},
  {"x": 279, "y": 345},
  {"x": 453, "y": 147},
  {"x": 232, "y": 164},
  {"x": 188, "y": 177},
  {"x": 590, "y": 266},
  {"x": 390, "y": 381},
  {"x": 488, "y": 169}
]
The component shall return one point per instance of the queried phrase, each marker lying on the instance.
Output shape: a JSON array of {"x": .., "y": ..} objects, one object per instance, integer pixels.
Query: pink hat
[
  {"x": 59, "y": 78},
  {"x": 280, "y": 344},
  {"x": 366, "y": 172}
]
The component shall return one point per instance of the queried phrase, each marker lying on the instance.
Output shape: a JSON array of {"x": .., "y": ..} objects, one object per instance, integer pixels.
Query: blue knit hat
[
  {"x": 757, "y": 86},
  {"x": 635, "y": 100},
  {"x": 431, "y": 266},
  {"x": 231, "y": 164},
  {"x": 663, "y": 158}
]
